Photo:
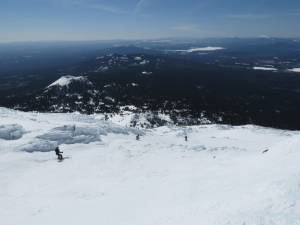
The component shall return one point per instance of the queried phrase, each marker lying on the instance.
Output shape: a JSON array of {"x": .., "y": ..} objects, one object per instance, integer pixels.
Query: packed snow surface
[
  {"x": 264, "y": 68},
  {"x": 71, "y": 134},
  {"x": 66, "y": 80},
  {"x": 222, "y": 175},
  {"x": 296, "y": 70},
  {"x": 11, "y": 131}
]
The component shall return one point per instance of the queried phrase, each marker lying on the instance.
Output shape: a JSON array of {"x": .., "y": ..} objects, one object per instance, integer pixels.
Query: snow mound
[
  {"x": 39, "y": 145},
  {"x": 65, "y": 81},
  {"x": 11, "y": 132},
  {"x": 72, "y": 134}
]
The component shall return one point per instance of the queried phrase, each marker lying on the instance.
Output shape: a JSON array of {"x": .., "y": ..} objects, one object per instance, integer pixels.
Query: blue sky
[{"x": 47, "y": 20}]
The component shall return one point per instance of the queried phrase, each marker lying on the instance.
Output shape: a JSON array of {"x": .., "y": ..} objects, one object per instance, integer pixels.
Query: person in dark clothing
[
  {"x": 138, "y": 137},
  {"x": 58, "y": 153},
  {"x": 186, "y": 138}
]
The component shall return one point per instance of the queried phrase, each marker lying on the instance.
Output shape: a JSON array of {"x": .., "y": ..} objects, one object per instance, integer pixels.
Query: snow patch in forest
[
  {"x": 295, "y": 70},
  {"x": 203, "y": 49},
  {"x": 264, "y": 68}
]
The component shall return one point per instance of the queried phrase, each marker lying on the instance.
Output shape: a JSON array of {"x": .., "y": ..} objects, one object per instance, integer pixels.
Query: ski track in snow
[{"x": 218, "y": 177}]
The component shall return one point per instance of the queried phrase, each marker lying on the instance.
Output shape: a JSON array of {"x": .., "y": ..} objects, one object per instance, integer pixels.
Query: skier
[
  {"x": 186, "y": 138},
  {"x": 138, "y": 137},
  {"x": 58, "y": 153}
]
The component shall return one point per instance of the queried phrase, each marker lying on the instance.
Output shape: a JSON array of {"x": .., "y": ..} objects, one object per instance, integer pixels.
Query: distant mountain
[
  {"x": 68, "y": 93},
  {"x": 67, "y": 81},
  {"x": 239, "y": 81}
]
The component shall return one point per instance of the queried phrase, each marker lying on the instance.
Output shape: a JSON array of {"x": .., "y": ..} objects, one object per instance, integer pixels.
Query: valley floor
[{"x": 219, "y": 176}]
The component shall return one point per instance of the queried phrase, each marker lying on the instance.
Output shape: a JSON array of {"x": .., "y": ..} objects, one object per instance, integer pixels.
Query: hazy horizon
[
  {"x": 92, "y": 20},
  {"x": 162, "y": 39}
]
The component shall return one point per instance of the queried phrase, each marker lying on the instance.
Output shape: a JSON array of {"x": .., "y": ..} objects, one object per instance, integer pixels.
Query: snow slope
[{"x": 220, "y": 176}]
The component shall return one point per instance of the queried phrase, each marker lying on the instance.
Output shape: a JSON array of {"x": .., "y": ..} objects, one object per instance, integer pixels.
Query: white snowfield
[
  {"x": 264, "y": 68},
  {"x": 220, "y": 176},
  {"x": 203, "y": 49},
  {"x": 295, "y": 70}
]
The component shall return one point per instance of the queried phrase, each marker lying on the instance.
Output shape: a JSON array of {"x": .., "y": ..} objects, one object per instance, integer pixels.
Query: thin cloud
[
  {"x": 186, "y": 28},
  {"x": 96, "y": 6},
  {"x": 140, "y": 5},
  {"x": 193, "y": 30},
  {"x": 262, "y": 16},
  {"x": 107, "y": 8},
  {"x": 249, "y": 16}
]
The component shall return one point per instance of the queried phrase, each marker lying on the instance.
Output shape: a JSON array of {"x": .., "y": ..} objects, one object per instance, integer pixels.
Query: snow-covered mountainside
[
  {"x": 221, "y": 175},
  {"x": 66, "y": 80},
  {"x": 68, "y": 93}
]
